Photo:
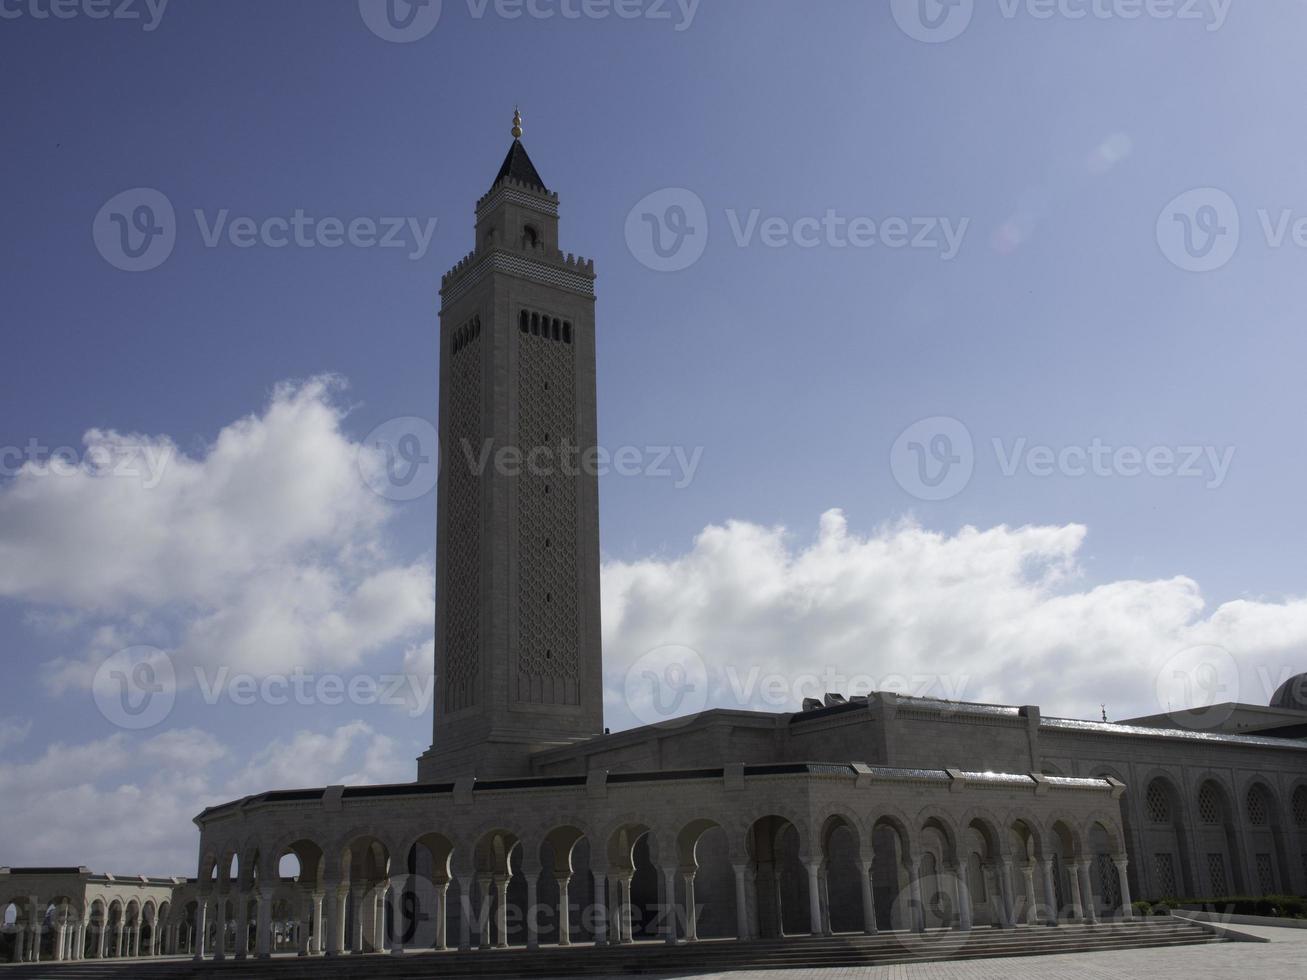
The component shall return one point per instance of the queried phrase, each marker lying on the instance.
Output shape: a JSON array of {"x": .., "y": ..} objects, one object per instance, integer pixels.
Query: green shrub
[{"x": 1142, "y": 908}]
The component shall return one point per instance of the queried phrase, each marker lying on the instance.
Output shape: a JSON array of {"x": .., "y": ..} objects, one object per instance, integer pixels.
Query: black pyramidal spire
[{"x": 519, "y": 166}]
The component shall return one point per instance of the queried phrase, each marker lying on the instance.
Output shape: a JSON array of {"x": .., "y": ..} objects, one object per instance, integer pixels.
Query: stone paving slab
[{"x": 1277, "y": 960}]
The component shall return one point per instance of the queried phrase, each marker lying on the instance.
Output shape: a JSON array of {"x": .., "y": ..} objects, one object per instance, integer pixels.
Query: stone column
[
  {"x": 1122, "y": 866},
  {"x": 669, "y": 906},
  {"x": 1077, "y": 909},
  {"x": 1087, "y": 893},
  {"x": 815, "y": 925},
  {"x": 380, "y": 899},
  {"x": 442, "y": 914},
  {"x": 1006, "y": 893},
  {"x": 614, "y": 910},
  {"x": 263, "y": 930},
  {"x": 779, "y": 902},
  {"x": 868, "y": 901},
  {"x": 1053, "y": 913},
  {"x": 917, "y": 912},
  {"x": 465, "y": 919},
  {"x": 220, "y": 943},
  {"x": 483, "y": 915},
  {"x": 38, "y": 914},
  {"x": 602, "y": 918},
  {"x": 317, "y": 939},
  {"x": 20, "y": 943},
  {"x": 826, "y": 928},
  {"x": 966, "y": 916},
  {"x": 501, "y": 917},
  {"x": 691, "y": 911},
  {"x": 397, "y": 923},
  {"x": 201, "y": 929},
  {"x": 1032, "y": 905},
  {"x": 337, "y": 898},
  {"x": 120, "y": 946},
  {"x": 60, "y": 934},
  {"x": 242, "y": 926},
  {"x": 102, "y": 940},
  {"x": 753, "y": 921},
  {"x": 742, "y": 930},
  {"x": 532, "y": 912},
  {"x": 305, "y": 938},
  {"x": 628, "y": 932},
  {"x": 356, "y": 918},
  {"x": 564, "y": 910}
]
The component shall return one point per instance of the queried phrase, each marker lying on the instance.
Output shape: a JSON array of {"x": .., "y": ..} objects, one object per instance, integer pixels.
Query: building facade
[{"x": 528, "y": 824}]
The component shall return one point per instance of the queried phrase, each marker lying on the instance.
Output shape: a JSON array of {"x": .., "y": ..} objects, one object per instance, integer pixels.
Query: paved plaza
[{"x": 1283, "y": 958}]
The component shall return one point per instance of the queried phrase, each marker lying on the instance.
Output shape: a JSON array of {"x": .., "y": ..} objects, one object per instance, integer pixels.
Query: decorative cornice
[{"x": 576, "y": 275}]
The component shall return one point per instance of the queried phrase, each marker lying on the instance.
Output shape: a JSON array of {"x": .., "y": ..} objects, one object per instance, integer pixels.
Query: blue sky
[{"x": 1065, "y": 320}]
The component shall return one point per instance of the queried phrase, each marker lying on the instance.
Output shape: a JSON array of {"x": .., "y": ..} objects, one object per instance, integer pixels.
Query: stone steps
[{"x": 655, "y": 958}]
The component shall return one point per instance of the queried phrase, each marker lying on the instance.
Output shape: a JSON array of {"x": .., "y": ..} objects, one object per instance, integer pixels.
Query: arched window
[
  {"x": 1300, "y": 806},
  {"x": 1156, "y": 804},
  {"x": 530, "y": 237},
  {"x": 1258, "y": 810},
  {"x": 525, "y": 322},
  {"x": 535, "y": 324},
  {"x": 1209, "y": 804},
  {"x": 567, "y": 331}
]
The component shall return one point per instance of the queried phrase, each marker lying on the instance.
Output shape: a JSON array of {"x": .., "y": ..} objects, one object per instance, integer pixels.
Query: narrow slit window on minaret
[
  {"x": 567, "y": 331},
  {"x": 525, "y": 322}
]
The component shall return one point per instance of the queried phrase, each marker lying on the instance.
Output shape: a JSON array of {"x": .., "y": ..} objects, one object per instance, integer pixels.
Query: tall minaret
[{"x": 517, "y": 582}]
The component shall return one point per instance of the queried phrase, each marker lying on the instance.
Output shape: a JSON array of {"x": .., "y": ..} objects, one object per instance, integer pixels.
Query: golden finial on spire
[{"x": 517, "y": 124}]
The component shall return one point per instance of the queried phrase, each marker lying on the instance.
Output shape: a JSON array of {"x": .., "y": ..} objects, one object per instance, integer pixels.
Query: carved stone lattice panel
[
  {"x": 548, "y": 669},
  {"x": 463, "y": 571}
]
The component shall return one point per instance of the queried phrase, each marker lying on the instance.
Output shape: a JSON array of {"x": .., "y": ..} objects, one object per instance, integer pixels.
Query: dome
[{"x": 1292, "y": 694}]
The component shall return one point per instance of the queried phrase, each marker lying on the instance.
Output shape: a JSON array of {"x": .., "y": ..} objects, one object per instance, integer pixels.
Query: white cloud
[
  {"x": 262, "y": 553},
  {"x": 125, "y": 803},
  {"x": 14, "y": 733},
  {"x": 982, "y": 615}
]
